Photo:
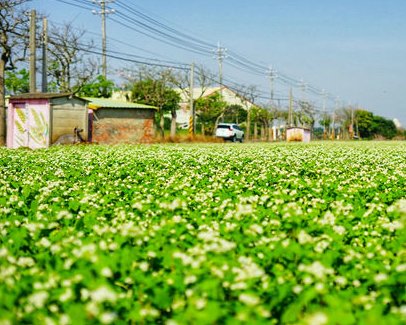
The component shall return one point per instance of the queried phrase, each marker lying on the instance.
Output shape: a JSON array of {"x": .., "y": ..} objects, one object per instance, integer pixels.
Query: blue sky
[{"x": 353, "y": 49}]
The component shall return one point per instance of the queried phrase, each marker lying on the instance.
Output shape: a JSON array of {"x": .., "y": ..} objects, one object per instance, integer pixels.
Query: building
[
  {"x": 230, "y": 96},
  {"x": 37, "y": 120},
  {"x": 297, "y": 134},
  {"x": 115, "y": 121}
]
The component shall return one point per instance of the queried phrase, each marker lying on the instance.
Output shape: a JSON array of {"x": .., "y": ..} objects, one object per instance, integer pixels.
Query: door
[
  {"x": 38, "y": 124},
  {"x": 20, "y": 127},
  {"x": 31, "y": 124}
]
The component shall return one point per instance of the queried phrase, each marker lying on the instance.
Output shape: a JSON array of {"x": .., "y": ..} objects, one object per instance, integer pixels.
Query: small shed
[
  {"x": 297, "y": 134},
  {"x": 116, "y": 121},
  {"x": 36, "y": 120}
]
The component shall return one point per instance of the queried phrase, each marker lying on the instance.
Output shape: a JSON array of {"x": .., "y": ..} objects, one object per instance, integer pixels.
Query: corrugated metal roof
[
  {"x": 95, "y": 103},
  {"x": 43, "y": 96}
]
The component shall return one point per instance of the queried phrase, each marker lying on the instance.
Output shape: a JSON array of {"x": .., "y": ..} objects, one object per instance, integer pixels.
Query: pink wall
[{"x": 30, "y": 127}]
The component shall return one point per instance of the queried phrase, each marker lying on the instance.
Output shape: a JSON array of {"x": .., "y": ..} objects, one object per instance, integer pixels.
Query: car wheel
[
  {"x": 234, "y": 138},
  {"x": 242, "y": 139}
]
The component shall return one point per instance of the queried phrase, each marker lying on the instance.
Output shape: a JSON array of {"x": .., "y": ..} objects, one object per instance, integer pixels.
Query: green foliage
[
  {"x": 17, "y": 82},
  {"x": 153, "y": 92},
  {"x": 99, "y": 87},
  {"x": 235, "y": 113},
  {"x": 211, "y": 234},
  {"x": 384, "y": 127},
  {"x": 209, "y": 108},
  {"x": 364, "y": 120},
  {"x": 370, "y": 125}
]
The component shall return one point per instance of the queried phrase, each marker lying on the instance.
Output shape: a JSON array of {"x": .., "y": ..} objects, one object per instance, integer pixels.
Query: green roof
[{"x": 95, "y": 103}]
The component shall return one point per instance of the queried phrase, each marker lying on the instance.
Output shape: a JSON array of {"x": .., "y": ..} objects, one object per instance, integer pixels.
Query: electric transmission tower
[{"x": 103, "y": 14}]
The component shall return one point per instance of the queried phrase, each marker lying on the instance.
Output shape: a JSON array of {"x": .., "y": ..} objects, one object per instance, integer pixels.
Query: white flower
[
  {"x": 3, "y": 252},
  {"x": 356, "y": 283},
  {"x": 64, "y": 320},
  {"x": 190, "y": 279},
  {"x": 297, "y": 289},
  {"x": 200, "y": 303},
  {"x": 107, "y": 318},
  {"x": 67, "y": 295},
  {"x": 102, "y": 294},
  {"x": 144, "y": 266},
  {"x": 317, "y": 318},
  {"x": 171, "y": 322},
  {"x": 380, "y": 277},
  {"x": 256, "y": 228},
  {"x": 341, "y": 281},
  {"x": 177, "y": 219},
  {"x": 249, "y": 299},
  {"x": 24, "y": 261},
  {"x": 92, "y": 308},
  {"x": 401, "y": 268},
  {"x": 38, "y": 299},
  {"x": 44, "y": 242},
  {"x": 106, "y": 272},
  {"x": 339, "y": 230},
  {"x": 304, "y": 237}
]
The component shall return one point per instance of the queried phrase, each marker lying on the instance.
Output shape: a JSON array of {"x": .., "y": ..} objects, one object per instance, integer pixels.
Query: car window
[
  {"x": 236, "y": 127},
  {"x": 222, "y": 126}
]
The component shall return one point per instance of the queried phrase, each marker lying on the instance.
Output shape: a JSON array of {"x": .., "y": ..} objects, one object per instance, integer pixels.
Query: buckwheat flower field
[{"x": 204, "y": 234}]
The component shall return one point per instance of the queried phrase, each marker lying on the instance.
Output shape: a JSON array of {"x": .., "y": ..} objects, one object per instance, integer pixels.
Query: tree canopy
[{"x": 98, "y": 87}]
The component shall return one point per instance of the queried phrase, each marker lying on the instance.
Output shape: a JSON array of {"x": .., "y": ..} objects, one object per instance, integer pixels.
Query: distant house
[
  {"x": 230, "y": 96},
  {"x": 115, "y": 121},
  {"x": 37, "y": 120}
]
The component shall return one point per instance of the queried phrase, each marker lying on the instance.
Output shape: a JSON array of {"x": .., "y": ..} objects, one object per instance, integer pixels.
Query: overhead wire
[{"x": 171, "y": 36}]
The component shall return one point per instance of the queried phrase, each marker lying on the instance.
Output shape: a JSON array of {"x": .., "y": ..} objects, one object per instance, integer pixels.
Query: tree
[
  {"x": 384, "y": 127},
  {"x": 172, "y": 99},
  {"x": 98, "y": 87},
  {"x": 309, "y": 116},
  {"x": 17, "y": 82},
  {"x": 364, "y": 121},
  {"x": 70, "y": 65},
  {"x": 325, "y": 123},
  {"x": 264, "y": 117},
  {"x": 235, "y": 113},
  {"x": 14, "y": 31},
  {"x": 248, "y": 95},
  {"x": 151, "y": 85},
  {"x": 208, "y": 109},
  {"x": 203, "y": 78},
  {"x": 370, "y": 125},
  {"x": 255, "y": 116}
]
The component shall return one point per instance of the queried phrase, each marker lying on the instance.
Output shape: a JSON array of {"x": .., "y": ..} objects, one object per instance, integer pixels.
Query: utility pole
[
  {"x": 44, "y": 55},
  {"x": 103, "y": 14},
  {"x": 290, "y": 118},
  {"x": 220, "y": 57},
  {"x": 338, "y": 103},
  {"x": 303, "y": 87},
  {"x": 33, "y": 85},
  {"x": 272, "y": 76},
  {"x": 324, "y": 113},
  {"x": 192, "y": 110},
  {"x": 352, "y": 123}
]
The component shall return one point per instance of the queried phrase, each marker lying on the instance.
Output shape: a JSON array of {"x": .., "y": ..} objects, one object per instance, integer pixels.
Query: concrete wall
[
  {"x": 66, "y": 115},
  {"x": 123, "y": 125}
]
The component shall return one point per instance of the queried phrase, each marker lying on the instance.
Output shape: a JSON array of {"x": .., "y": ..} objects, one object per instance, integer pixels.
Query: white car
[{"x": 230, "y": 131}]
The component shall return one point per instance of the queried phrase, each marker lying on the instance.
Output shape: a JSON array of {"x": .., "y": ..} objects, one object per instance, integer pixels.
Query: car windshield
[{"x": 222, "y": 126}]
